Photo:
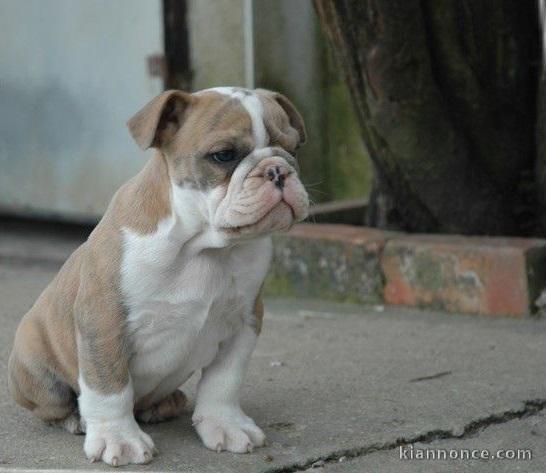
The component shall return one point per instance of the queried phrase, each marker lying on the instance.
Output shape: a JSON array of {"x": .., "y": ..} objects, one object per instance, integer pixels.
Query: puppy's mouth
[
  {"x": 263, "y": 203},
  {"x": 280, "y": 217}
]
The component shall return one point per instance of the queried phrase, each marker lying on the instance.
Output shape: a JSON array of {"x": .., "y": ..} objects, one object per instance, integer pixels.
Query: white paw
[
  {"x": 118, "y": 442},
  {"x": 228, "y": 428}
]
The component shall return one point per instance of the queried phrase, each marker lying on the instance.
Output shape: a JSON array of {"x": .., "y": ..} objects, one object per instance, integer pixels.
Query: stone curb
[{"x": 475, "y": 275}]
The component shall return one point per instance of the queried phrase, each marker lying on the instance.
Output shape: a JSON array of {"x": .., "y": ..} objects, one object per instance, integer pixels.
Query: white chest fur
[{"x": 184, "y": 298}]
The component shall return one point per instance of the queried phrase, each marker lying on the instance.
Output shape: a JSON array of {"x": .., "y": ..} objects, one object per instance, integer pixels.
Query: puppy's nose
[{"x": 277, "y": 174}]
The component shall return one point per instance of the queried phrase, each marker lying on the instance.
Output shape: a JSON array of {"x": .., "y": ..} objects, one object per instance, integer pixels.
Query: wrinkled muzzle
[{"x": 264, "y": 195}]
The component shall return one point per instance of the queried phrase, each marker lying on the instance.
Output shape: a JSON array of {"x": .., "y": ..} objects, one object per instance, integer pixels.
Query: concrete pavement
[
  {"x": 329, "y": 382},
  {"x": 504, "y": 437}
]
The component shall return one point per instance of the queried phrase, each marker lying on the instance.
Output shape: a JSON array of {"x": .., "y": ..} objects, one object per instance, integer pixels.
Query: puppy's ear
[
  {"x": 294, "y": 117},
  {"x": 296, "y": 120},
  {"x": 159, "y": 120}
]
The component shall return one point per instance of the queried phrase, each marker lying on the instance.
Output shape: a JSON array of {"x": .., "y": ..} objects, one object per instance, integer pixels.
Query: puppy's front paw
[
  {"x": 118, "y": 443},
  {"x": 228, "y": 428}
]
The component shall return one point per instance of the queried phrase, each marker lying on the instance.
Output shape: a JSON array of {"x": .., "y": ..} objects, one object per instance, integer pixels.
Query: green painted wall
[{"x": 349, "y": 166}]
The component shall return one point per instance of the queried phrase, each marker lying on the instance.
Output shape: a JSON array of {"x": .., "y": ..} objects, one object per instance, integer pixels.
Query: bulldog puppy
[{"x": 169, "y": 281}]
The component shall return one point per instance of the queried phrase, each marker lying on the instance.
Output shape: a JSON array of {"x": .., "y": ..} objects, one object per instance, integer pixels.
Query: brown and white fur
[{"x": 169, "y": 281}]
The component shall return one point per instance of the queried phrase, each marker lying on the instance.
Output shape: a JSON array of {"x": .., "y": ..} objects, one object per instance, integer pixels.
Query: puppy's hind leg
[
  {"x": 73, "y": 423},
  {"x": 168, "y": 408},
  {"x": 38, "y": 388}
]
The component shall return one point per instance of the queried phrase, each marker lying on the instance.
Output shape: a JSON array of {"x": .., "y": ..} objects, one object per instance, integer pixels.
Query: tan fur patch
[
  {"x": 159, "y": 119},
  {"x": 213, "y": 123},
  {"x": 142, "y": 202},
  {"x": 284, "y": 123},
  {"x": 43, "y": 366},
  {"x": 171, "y": 406}
]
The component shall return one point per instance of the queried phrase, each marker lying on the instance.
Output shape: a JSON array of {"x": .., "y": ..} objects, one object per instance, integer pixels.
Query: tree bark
[
  {"x": 541, "y": 153},
  {"x": 445, "y": 94},
  {"x": 540, "y": 168}
]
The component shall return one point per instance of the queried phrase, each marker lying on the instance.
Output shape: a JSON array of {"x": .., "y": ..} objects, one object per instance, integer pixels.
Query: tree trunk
[
  {"x": 541, "y": 128},
  {"x": 541, "y": 153},
  {"x": 445, "y": 93}
]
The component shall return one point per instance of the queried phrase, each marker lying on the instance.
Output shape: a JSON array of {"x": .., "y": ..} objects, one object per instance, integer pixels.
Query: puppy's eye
[{"x": 224, "y": 156}]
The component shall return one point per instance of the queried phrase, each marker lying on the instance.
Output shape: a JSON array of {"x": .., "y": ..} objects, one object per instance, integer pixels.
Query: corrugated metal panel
[{"x": 71, "y": 74}]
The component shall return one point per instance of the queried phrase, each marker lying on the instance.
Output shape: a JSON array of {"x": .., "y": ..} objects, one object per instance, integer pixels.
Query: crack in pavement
[{"x": 530, "y": 408}]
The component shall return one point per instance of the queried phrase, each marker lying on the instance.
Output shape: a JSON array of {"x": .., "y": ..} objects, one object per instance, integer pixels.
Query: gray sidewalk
[{"x": 329, "y": 383}]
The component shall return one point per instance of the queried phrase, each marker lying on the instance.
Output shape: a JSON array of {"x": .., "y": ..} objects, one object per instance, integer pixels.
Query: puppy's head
[{"x": 233, "y": 150}]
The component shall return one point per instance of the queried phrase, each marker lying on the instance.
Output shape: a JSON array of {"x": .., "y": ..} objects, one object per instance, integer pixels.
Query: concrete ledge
[
  {"x": 477, "y": 275},
  {"x": 338, "y": 262},
  {"x": 490, "y": 276}
]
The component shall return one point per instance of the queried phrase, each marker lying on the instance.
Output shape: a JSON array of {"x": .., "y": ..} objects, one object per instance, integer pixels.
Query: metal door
[{"x": 71, "y": 74}]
